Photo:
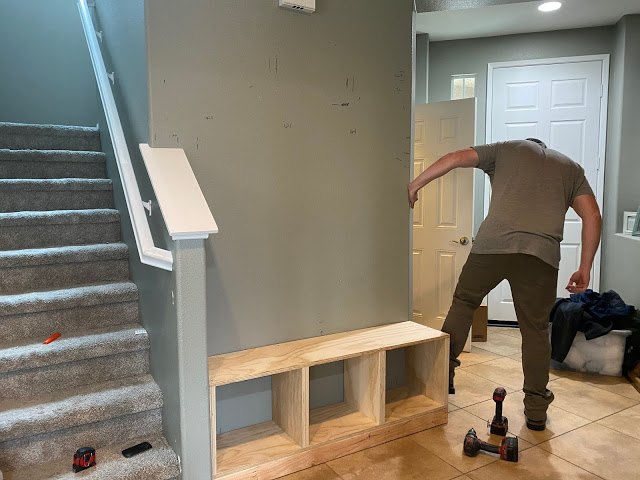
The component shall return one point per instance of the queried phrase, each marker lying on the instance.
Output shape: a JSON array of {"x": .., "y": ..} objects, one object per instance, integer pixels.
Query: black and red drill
[
  {"x": 499, "y": 424},
  {"x": 508, "y": 449}
]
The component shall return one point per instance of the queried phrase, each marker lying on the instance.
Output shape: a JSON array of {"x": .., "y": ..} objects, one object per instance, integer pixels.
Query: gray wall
[
  {"x": 124, "y": 50},
  {"x": 298, "y": 130},
  {"x": 46, "y": 70},
  {"x": 621, "y": 256},
  {"x": 473, "y": 55}
]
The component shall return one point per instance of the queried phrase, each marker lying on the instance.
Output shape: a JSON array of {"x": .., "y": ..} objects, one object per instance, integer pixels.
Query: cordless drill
[
  {"x": 508, "y": 449},
  {"x": 499, "y": 424}
]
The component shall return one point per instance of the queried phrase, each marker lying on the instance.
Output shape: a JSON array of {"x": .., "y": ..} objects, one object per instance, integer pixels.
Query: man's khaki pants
[{"x": 533, "y": 285}]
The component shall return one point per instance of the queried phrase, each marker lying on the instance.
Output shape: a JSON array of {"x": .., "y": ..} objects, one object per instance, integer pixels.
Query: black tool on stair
[
  {"x": 499, "y": 424},
  {"x": 508, "y": 449},
  {"x": 136, "y": 449},
  {"x": 84, "y": 458}
]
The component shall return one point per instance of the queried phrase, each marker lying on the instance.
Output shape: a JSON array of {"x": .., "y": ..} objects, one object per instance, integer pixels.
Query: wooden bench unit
[{"x": 297, "y": 438}]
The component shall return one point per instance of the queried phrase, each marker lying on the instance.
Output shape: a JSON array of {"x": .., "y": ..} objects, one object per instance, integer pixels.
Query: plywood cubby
[
  {"x": 284, "y": 434},
  {"x": 369, "y": 413},
  {"x": 425, "y": 373},
  {"x": 361, "y": 407}
]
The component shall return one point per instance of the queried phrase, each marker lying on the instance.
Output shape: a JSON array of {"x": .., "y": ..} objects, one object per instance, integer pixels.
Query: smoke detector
[{"x": 303, "y": 6}]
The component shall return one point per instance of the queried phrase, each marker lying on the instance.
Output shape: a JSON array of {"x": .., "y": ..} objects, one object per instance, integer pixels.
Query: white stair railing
[{"x": 176, "y": 199}]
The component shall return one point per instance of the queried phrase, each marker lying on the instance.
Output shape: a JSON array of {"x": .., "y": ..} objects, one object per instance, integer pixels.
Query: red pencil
[{"x": 52, "y": 338}]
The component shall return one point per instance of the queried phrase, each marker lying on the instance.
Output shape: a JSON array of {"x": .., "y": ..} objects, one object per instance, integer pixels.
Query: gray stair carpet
[
  {"x": 55, "y": 194},
  {"x": 63, "y": 268},
  {"x": 51, "y": 164}
]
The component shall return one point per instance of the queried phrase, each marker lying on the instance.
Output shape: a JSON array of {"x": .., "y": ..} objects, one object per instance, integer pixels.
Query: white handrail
[
  {"x": 183, "y": 206},
  {"x": 149, "y": 253}
]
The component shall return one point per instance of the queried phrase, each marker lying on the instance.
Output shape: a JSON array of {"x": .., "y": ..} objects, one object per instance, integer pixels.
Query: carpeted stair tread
[
  {"x": 78, "y": 406},
  {"x": 25, "y": 195},
  {"x": 51, "y": 164},
  {"x": 52, "y": 156},
  {"x": 57, "y": 255},
  {"x": 54, "y": 184},
  {"x": 94, "y": 343},
  {"x": 54, "y": 228},
  {"x": 30, "y": 270},
  {"x": 52, "y": 137},
  {"x": 59, "y": 217},
  {"x": 159, "y": 463},
  {"x": 68, "y": 298},
  {"x": 24, "y": 384},
  {"x": 61, "y": 444}
]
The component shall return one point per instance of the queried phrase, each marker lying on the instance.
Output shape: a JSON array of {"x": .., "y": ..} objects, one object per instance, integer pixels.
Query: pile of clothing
[{"x": 595, "y": 315}]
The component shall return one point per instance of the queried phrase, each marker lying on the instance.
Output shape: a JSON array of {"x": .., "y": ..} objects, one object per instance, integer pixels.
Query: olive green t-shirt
[{"x": 532, "y": 189}]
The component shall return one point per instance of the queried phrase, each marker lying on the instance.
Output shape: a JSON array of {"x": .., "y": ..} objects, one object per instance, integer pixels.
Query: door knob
[{"x": 462, "y": 241}]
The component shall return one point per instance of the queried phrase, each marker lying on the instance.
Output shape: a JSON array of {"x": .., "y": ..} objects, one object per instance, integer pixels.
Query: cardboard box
[{"x": 479, "y": 325}]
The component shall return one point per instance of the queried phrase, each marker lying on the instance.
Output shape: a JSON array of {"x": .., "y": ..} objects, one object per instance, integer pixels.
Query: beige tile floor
[{"x": 593, "y": 429}]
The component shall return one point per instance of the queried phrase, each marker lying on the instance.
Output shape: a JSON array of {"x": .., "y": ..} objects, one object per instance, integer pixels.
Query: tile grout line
[
  {"x": 570, "y": 462},
  {"x": 410, "y": 437},
  {"x": 613, "y": 429}
]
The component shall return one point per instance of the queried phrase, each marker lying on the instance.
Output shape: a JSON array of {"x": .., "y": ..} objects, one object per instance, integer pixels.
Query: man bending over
[{"x": 532, "y": 188}]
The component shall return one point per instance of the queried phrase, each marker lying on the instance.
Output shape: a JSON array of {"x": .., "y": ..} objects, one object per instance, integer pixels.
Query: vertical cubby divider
[
  {"x": 290, "y": 404},
  {"x": 364, "y": 384}
]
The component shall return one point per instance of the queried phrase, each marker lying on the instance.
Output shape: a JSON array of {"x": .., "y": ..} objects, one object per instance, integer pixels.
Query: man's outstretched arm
[
  {"x": 462, "y": 158},
  {"x": 587, "y": 208}
]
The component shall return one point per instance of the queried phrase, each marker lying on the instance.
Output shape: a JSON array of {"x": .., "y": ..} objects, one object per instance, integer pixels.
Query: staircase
[{"x": 63, "y": 268}]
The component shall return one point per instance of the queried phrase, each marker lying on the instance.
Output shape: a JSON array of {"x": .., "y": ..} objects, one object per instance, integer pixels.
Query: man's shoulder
[{"x": 562, "y": 159}]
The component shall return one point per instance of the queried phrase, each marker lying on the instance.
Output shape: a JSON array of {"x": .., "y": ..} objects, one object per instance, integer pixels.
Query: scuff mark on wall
[
  {"x": 272, "y": 64},
  {"x": 350, "y": 83}
]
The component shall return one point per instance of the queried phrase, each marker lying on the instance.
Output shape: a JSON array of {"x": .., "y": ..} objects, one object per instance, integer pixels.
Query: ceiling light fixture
[{"x": 549, "y": 6}]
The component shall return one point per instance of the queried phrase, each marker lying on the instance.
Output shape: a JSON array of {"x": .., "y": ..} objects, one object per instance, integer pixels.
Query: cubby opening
[
  {"x": 270, "y": 421},
  {"x": 361, "y": 405},
  {"x": 415, "y": 380}
]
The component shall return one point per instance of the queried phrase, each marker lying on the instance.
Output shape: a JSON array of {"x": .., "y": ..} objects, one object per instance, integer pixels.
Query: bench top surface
[{"x": 272, "y": 359}]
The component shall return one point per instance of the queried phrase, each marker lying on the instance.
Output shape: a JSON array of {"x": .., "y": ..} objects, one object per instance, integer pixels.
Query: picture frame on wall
[
  {"x": 628, "y": 222},
  {"x": 636, "y": 225}
]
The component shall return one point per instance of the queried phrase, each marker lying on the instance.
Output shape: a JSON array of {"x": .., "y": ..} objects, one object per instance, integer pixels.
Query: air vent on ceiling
[{"x": 304, "y": 6}]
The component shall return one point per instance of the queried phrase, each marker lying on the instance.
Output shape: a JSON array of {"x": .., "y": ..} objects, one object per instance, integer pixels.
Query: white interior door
[
  {"x": 443, "y": 214},
  {"x": 561, "y": 104}
]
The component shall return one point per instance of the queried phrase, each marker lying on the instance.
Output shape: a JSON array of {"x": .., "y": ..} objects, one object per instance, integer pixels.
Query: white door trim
[{"x": 604, "y": 102}]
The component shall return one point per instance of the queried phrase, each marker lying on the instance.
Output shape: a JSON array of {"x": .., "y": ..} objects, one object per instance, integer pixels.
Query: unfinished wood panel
[
  {"x": 364, "y": 385},
  {"x": 290, "y": 404},
  {"x": 251, "y": 446},
  {"x": 402, "y": 404},
  {"x": 336, "y": 421},
  {"x": 428, "y": 370},
  {"x": 339, "y": 448},
  {"x": 269, "y": 360}
]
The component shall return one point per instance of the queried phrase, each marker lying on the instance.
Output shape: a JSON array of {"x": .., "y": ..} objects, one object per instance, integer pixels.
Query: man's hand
[
  {"x": 579, "y": 281},
  {"x": 413, "y": 195}
]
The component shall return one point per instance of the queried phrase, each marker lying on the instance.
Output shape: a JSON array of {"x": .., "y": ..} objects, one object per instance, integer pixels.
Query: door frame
[{"x": 602, "y": 140}]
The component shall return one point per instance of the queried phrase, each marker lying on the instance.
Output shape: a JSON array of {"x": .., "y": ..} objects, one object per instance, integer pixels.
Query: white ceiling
[{"x": 521, "y": 17}]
